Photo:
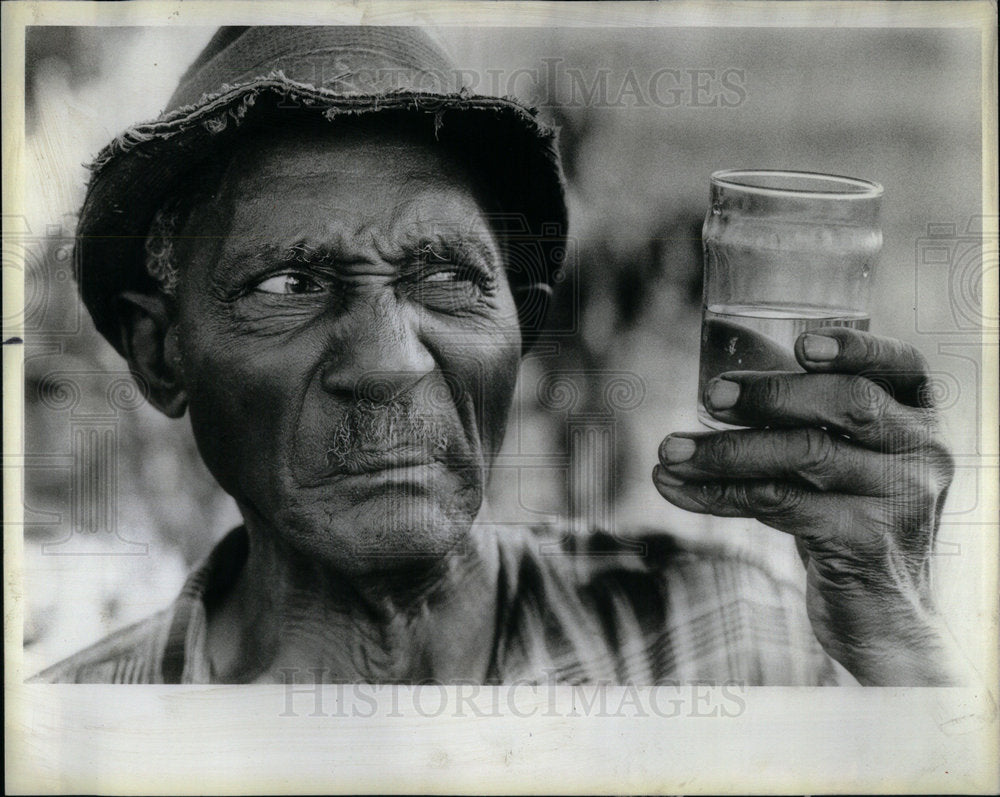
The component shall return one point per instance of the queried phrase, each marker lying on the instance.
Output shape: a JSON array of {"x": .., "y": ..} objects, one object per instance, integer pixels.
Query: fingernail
[
  {"x": 722, "y": 394},
  {"x": 820, "y": 348},
  {"x": 677, "y": 449},
  {"x": 661, "y": 476}
]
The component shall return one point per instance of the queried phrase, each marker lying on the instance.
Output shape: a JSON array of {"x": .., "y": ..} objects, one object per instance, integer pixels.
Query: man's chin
[{"x": 384, "y": 521}]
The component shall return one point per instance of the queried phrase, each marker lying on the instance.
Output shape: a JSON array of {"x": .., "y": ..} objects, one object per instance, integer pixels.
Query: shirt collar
[{"x": 185, "y": 657}]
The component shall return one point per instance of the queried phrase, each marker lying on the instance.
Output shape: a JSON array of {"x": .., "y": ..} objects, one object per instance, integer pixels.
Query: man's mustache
[{"x": 371, "y": 430}]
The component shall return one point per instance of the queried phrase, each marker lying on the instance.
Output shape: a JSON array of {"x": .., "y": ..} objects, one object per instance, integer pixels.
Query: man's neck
[{"x": 289, "y": 619}]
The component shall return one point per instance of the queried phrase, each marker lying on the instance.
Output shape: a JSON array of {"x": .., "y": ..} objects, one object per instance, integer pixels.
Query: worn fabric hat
[{"x": 247, "y": 75}]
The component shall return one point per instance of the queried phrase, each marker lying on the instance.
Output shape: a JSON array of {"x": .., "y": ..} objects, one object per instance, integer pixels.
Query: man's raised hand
[{"x": 848, "y": 457}]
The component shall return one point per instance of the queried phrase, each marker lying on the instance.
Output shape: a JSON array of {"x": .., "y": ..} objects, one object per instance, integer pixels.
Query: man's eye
[
  {"x": 288, "y": 284},
  {"x": 459, "y": 274},
  {"x": 445, "y": 276}
]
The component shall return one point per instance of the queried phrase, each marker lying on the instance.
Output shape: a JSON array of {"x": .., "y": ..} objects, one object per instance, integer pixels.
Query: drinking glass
[{"x": 785, "y": 252}]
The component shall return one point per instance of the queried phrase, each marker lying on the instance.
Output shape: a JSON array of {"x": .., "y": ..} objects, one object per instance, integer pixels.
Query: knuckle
[
  {"x": 926, "y": 427},
  {"x": 821, "y": 452},
  {"x": 928, "y": 491},
  {"x": 914, "y": 358},
  {"x": 939, "y": 470},
  {"x": 872, "y": 347},
  {"x": 944, "y": 464},
  {"x": 770, "y": 393},
  {"x": 926, "y": 396},
  {"x": 917, "y": 490},
  {"x": 919, "y": 479},
  {"x": 866, "y": 404},
  {"x": 738, "y": 496},
  {"x": 941, "y": 461},
  {"x": 711, "y": 493},
  {"x": 722, "y": 451},
  {"x": 774, "y": 497}
]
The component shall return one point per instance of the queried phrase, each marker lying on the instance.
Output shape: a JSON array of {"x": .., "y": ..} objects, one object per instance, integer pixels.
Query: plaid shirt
[{"x": 570, "y": 609}]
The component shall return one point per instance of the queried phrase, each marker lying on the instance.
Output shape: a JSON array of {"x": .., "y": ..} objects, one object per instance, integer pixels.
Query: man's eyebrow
[
  {"x": 306, "y": 253},
  {"x": 443, "y": 245},
  {"x": 327, "y": 254},
  {"x": 436, "y": 245}
]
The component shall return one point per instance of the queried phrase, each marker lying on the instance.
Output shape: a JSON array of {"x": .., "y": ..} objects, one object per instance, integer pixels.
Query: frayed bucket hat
[{"x": 249, "y": 74}]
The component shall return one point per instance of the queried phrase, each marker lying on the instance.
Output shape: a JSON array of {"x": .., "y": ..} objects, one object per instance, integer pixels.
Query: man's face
[{"x": 348, "y": 343}]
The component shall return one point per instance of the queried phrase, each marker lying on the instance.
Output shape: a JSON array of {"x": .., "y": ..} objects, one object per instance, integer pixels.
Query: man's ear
[{"x": 150, "y": 346}]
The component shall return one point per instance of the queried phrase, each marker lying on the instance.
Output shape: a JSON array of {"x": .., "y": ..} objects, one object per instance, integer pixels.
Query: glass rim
[{"x": 854, "y": 187}]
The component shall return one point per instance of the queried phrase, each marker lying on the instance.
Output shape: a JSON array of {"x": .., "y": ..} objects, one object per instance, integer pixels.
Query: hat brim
[{"x": 505, "y": 141}]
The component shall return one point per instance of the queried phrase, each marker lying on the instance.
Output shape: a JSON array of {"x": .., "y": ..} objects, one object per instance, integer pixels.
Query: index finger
[
  {"x": 896, "y": 366},
  {"x": 850, "y": 405}
]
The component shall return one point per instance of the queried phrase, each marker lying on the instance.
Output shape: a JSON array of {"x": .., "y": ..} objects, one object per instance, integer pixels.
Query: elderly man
[{"x": 312, "y": 255}]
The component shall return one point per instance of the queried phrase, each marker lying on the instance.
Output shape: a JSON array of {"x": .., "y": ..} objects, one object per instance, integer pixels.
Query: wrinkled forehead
[{"x": 294, "y": 182}]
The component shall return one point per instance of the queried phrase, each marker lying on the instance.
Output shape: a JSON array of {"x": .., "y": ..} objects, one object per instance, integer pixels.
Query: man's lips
[{"x": 372, "y": 461}]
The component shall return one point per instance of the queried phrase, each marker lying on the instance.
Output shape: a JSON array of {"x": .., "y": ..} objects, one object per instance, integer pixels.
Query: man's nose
[{"x": 379, "y": 354}]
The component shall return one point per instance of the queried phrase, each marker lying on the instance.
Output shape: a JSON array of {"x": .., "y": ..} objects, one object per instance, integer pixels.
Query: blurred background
[{"x": 118, "y": 506}]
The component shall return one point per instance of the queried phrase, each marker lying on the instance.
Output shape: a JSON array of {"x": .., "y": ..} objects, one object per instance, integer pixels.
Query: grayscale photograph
[{"x": 511, "y": 359}]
